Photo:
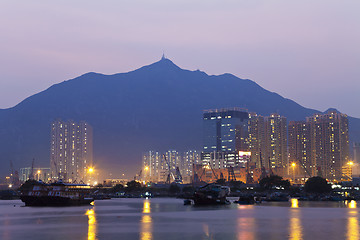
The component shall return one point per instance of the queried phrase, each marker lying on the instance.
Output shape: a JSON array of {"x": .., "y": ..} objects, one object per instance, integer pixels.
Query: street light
[
  {"x": 293, "y": 165},
  {"x": 38, "y": 173}
]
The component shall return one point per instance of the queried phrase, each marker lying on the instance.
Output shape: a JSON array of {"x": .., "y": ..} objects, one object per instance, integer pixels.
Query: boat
[
  {"x": 211, "y": 194},
  {"x": 277, "y": 197},
  {"x": 57, "y": 194},
  {"x": 245, "y": 200}
]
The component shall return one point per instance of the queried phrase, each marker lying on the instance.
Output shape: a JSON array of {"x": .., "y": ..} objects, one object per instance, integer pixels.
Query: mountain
[{"x": 158, "y": 106}]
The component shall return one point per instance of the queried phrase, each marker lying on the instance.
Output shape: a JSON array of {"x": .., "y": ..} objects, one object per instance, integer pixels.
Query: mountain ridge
[{"x": 158, "y": 106}]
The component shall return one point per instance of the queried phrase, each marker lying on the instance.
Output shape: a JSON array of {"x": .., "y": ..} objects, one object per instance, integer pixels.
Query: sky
[{"x": 305, "y": 50}]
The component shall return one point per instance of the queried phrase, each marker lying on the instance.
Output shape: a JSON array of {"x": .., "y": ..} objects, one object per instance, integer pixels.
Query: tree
[
  {"x": 133, "y": 186},
  {"x": 317, "y": 185},
  {"x": 221, "y": 181},
  {"x": 117, "y": 188},
  {"x": 274, "y": 181},
  {"x": 188, "y": 189},
  {"x": 174, "y": 188}
]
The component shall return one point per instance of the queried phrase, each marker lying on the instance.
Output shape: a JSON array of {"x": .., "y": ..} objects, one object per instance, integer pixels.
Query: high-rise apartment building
[
  {"x": 71, "y": 152},
  {"x": 257, "y": 139},
  {"x": 156, "y": 169},
  {"x": 330, "y": 143},
  {"x": 299, "y": 140},
  {"x": 151, "y": 166},
  {"x": 276, "y": 143},
  {"x": 189, "y": 158}
]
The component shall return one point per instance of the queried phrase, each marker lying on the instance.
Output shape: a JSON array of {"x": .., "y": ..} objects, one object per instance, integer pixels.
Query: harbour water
[{"x": 165, "y": 218}]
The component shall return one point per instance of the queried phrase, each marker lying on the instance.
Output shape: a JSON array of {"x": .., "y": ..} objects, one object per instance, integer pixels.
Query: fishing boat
[
  {"x": 57, "y": 194},
  {"x": 211, "y": 194}
]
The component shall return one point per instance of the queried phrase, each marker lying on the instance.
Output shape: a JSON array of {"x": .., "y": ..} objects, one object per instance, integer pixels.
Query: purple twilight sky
[{"x": 305, "y": 50}]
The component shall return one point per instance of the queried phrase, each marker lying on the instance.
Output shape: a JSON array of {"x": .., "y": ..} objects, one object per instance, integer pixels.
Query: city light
[
  {"x": 350, "y": 163},
  {"x": 91, "y": 170},
  {"x": 38, "y": 172},
  {"x": 146, "y": 168},
  {"x": 293, "y": 164}
]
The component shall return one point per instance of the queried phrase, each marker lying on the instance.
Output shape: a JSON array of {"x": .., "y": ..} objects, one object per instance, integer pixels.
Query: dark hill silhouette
[{"x": 158, "y": 106}]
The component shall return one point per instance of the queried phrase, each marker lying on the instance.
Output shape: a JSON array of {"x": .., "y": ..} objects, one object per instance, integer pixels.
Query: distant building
[
  {"x": 330, "y": 143},
  {"x": 38, "y": 174},
  {"x": 299, "y": 136},
  {"x": 356, "y": 159},
  {"x": 71, "y": 152},
  {"x": 189, "y": 158},
  {"x": 356, "y": 149},
  {"x": 155, "y": 168},
  {"x": 276, "y": 156},
  {"x": 225, "y": 130},
  {"x": 225, "y": 133},
  {"x": 257, "y": 139},
  {"x": 151, "y": 166}
]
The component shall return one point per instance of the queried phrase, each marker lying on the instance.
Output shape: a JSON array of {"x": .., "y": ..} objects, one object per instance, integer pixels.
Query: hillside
[{"x": 158, "y": 106}]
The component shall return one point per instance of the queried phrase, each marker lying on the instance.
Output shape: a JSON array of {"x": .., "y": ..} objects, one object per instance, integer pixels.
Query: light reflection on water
[
  {"x": 163, "y": 219},
  {"x": 295, "y": 227},
  {"x": 246, "y": 225},
  {"x": 92, "y": 228},
  {"x": 294, "y": 203},
  {"x": 353, "y": 222},
  {"x": 146, "y": 222}
]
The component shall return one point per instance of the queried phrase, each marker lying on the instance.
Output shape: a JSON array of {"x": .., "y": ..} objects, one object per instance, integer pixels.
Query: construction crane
[
  {"x": 262, "y": 167},
  {"x": 231, "y": 174},
  {"x": 270, "y": 168},
  {"x": 249, "y": 178},
  {"x": 170, "y": 174},
  {"x": 178, "y": 178},
  {"x": 138, "y": 175}
]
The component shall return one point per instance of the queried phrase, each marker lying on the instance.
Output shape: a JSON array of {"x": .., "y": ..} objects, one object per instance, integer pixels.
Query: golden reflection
[
  {"x": 92, "y": 224},
  {"x": 245, "y": 228},
  {"x": 351, "y": 204},
  {"x": 146, "y": 222},
  {"x": 294, "y": 203},
  {"x": 353, "y": 225},
  {"x": 206, "y": 232},
  {"x": 146, "y": 207},
  {"x": 295, "y": 229}
]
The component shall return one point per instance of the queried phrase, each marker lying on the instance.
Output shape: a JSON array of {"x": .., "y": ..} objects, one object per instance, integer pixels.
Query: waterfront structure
[
  {"x": 37, "y": 173},
  {"x": 257, "y": 139},
  {"x": 299, "y": 140},
  {"x": 330, "y": 143},
  {"x": 276, "y": 157},
  {"x": 71, "y": 152}
]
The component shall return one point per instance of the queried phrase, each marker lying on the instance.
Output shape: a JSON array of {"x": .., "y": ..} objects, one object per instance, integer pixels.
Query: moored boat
[
  {"x": 57, "y": 194},
  {"x": 211, "y": 194}
]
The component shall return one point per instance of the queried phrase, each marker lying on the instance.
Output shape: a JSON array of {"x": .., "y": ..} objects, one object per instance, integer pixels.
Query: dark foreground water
[{"x": 170, "y": 219}]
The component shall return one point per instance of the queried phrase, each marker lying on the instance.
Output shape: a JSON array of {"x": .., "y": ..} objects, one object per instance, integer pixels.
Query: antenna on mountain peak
[{"x": 163, "y": 56}]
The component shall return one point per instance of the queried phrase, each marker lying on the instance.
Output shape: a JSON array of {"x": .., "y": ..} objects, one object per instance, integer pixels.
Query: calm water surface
[{"x": 147, "y": 219}]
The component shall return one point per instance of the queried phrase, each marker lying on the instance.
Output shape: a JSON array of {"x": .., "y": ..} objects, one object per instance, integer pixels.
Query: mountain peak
[{"x": 164, "y": 64}]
